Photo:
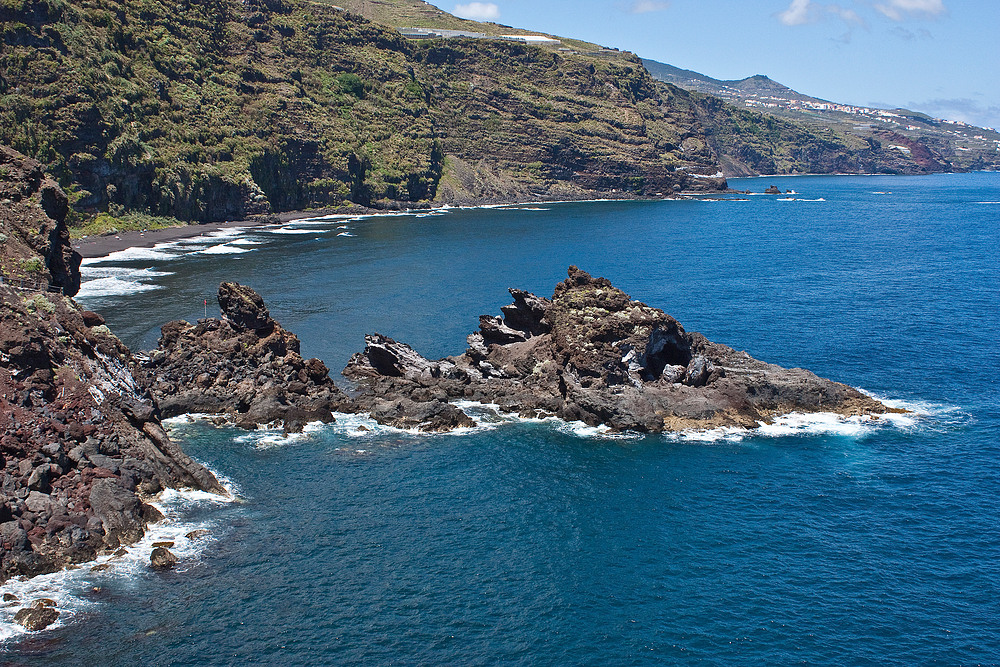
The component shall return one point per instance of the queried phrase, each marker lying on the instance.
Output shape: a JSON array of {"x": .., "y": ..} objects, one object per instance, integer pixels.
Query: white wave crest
[
  {"x": 112, "y": 286},
  {"x": 72, "y": 589},
  {"x": 160, "y": 251},
  {"x": 291, "y": 230},
  {"x": 223, "y": 249},
  {"x": 124, "y": 272}
]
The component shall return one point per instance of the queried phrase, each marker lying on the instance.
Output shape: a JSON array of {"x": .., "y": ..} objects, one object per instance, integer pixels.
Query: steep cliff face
[
  {"x": 34, "y": 239},
  {"x": 518, "y": 121},
  {"x": 210, "y": 111},
  {"x": 82, "y": 445}
]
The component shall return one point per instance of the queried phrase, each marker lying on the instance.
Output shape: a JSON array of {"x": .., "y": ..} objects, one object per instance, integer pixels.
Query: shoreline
[{"x": 91, "y": 247}]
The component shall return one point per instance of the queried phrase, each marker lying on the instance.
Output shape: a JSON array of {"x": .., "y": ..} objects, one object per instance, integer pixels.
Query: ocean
[{"x": 814, "y": 540}]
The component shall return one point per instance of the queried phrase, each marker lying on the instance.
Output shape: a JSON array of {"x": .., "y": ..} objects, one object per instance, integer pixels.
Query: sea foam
[{"x": 73, "y": 590}]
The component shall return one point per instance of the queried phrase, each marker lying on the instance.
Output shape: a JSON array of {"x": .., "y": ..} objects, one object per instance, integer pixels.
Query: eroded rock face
[
  {"x": 35, "y": 240},
  {"x": 245, "y": 366},
  {"x": 81, "y": 444},
  {"x": 591, "y": 353}
]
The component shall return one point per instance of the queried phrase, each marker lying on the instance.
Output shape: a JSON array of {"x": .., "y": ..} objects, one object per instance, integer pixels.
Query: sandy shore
[{"x": 100, "y": 246}]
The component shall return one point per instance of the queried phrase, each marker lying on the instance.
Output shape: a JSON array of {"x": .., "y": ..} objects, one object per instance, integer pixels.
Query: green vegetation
[
  {"x": 39, "y": 304},
  {"x": 220, "y": 109},
  {"x": 32, "y": 265},
  {"x": 212, "y": 110},
  {"x": 104, "y": 223}
]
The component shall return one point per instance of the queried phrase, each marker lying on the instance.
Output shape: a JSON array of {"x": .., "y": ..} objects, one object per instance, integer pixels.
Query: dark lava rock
[
  {"x": 591, "y": 353},
  {"x": 244, "y": 366},
  {"x": 243, "y": 307},
  {"x": 79, "y": 438},
  {"x": 92, "y": 319},
  {"x": 162, "y": 559},
  {"x": 773, "y": 190},
  {"x": 36, "y": 618},
  {"x": 119, "y": 510}
]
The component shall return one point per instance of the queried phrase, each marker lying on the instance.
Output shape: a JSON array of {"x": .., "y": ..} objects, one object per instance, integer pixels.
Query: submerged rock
[{"x": 591, "y": 353}]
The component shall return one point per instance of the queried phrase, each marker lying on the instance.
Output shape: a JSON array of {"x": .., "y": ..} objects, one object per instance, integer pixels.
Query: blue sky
[{"x": 937, "y": 56}]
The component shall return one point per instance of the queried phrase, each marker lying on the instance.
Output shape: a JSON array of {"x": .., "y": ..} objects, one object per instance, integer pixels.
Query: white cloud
[
  {"x": 646, "y": 6},
  {"x": 478, "y": 11},
  {"x": 801, "y": 12},
  {"x": 798, "y": 13},
  {"x": 897, "y": 10},
  {"x": 848, "y": 16}
]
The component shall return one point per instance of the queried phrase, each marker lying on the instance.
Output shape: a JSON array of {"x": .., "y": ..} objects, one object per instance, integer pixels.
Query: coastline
[{"x": 91, "y": 247}]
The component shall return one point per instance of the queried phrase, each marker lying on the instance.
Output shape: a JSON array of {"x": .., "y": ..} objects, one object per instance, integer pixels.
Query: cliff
[
  {"x": 211, "y": 111},
  {"x": 34, "y": 238},
  {"x": 82, "y": 448}
]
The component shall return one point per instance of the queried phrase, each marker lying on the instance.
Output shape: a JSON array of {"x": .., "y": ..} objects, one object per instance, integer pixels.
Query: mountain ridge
[{"x": 962, "y": 146}]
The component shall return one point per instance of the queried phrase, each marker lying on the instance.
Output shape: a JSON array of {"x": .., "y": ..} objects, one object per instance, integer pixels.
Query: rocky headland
[
  {"x": 82, "y": 450},
  {"x": 593, "y": 354},
  {"x": 244, "y": 366}
]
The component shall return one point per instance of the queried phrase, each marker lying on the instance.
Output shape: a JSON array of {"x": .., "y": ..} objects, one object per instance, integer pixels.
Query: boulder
[
  {"x": 35, "y": 618},
  {"x": 162, "y": 558},
  {"x": 120, "y": 511}
]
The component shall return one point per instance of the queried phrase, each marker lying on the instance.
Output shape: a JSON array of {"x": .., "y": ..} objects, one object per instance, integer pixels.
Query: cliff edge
[{"x": 82, "y": 447}]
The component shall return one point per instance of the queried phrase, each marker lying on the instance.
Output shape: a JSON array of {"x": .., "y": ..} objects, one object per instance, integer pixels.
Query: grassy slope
[
  {"x": 199, "y": 113},
  {"x": 227, "y": 108}
]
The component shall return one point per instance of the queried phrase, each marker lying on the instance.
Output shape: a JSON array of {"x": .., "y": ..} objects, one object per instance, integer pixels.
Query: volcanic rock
[
  {"x": 591, "y": 353},
  {"x": 244, "y": 365},
  {"x": 80, "y": 441},
  {"x": 36, "y": 617},
  {"x": 162, "y": 558}
]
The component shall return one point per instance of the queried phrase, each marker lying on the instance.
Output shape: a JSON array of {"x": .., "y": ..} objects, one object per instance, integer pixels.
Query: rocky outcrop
[
  {"x": 593, "y": 354},
  {"x": 40, "y": 615},
  {"x": 81, "y": 445},
  {"x": 244, "y": 366},
  {"x": 34, "y": 239}
]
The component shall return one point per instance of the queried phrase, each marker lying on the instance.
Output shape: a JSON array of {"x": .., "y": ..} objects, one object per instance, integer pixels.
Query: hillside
[
  {"x": 935, "y": 144},
  {"x": 230, "y": 108}
]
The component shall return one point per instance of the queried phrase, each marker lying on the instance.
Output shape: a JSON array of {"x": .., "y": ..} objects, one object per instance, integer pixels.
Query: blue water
[{"x": 538, "y": 543}]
